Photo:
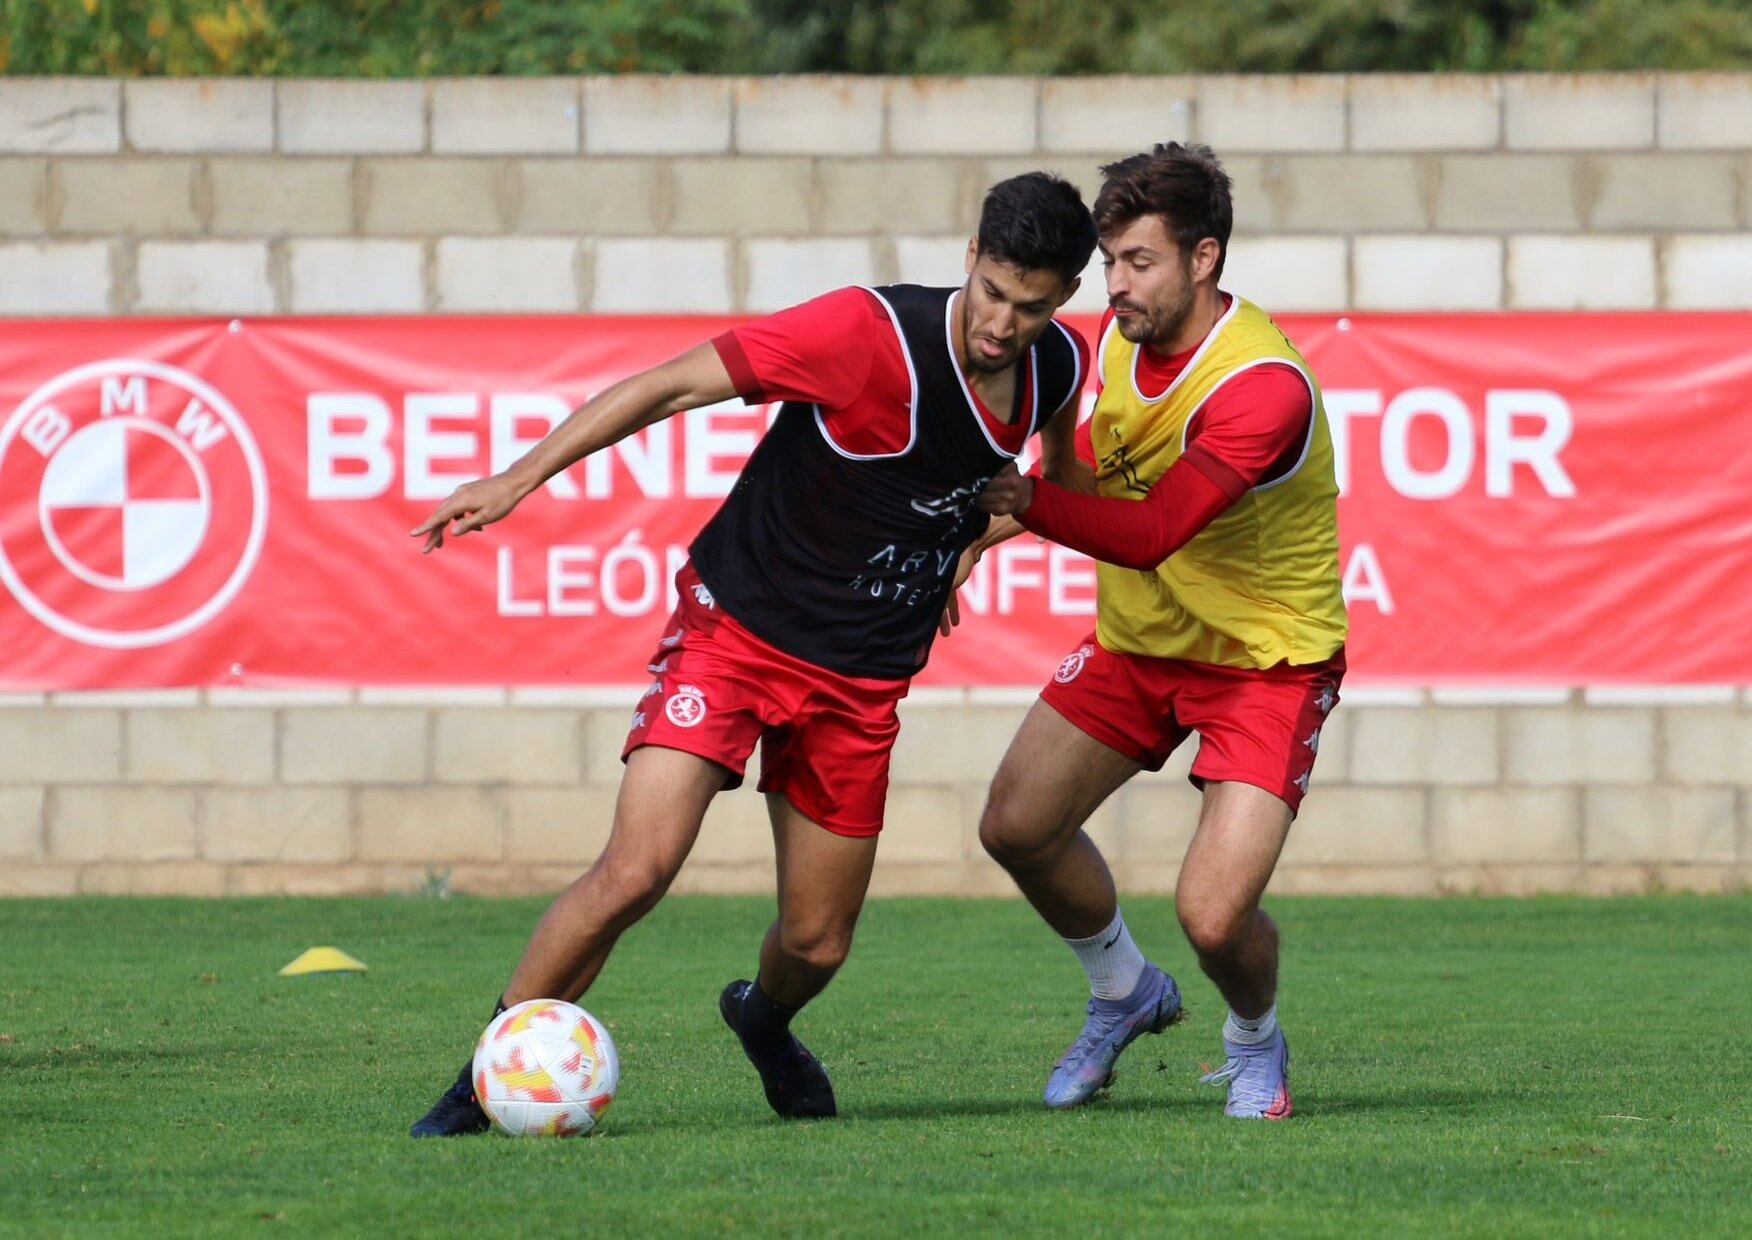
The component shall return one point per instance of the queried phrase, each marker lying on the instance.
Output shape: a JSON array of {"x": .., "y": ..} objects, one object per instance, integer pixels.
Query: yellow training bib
[{"x": 1260, "y": 584}]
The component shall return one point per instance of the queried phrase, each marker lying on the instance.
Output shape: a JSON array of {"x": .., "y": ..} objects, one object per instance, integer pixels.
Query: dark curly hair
[
  {"x": 1183, "y": 183},
  {"x": 1037, "y": 222}
]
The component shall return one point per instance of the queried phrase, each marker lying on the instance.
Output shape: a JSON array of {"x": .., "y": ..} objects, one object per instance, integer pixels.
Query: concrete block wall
[
  {"x": 1377, "y": 192},
  {"x": 687, "y": 194},
  {"x": 236, "y": 791}
]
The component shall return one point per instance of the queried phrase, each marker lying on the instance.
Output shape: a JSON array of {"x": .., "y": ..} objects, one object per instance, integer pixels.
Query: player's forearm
[
  {"x": 1124, "y": 532},
  {"x": 695, "y": 378},
  {"x": 1002, "y": 529},
  {"x": 1070, "y": 472},
  {"x": 608, "y": 417}
]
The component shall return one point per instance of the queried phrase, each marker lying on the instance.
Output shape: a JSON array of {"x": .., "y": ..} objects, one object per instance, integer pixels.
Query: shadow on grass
[{"x": 1320, "y": 1109}]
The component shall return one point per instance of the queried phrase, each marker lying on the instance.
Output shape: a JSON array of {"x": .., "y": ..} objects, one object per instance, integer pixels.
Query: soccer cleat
[
  {"x": 1258, "y": 1078},
  {"x": 796, "y": 1084},
  {"x": 456, "y": 1113},
  {"x": 1112, "y": 1025}
]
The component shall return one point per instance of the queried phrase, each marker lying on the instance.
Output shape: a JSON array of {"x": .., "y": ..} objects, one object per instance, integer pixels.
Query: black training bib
[{"x": 845, "y": 560}]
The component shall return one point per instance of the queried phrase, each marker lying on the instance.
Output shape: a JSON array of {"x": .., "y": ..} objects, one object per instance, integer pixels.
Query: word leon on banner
[{"x": 1429, "y": 443}]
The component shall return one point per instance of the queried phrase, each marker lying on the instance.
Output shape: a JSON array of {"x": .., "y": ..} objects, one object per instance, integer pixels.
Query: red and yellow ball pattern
[{"x": 545, "y": 1068}]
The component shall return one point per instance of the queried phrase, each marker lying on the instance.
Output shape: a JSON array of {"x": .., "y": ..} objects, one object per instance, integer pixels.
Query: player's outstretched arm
[
  {"x": 1118, "y": 531},
  {"x": 695, "y": 378}
]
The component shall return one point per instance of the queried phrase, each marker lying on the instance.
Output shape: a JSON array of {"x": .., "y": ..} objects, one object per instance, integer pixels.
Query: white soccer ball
[{"x": 545, "y": 1069}]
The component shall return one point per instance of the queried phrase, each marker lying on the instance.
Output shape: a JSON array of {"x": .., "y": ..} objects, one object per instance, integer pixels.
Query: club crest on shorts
[
  {"x": 703, "y": 596},
  {"x": 1071, "y": 666},
  {"x": 137, "y": 503},
  {"x": 686, "y": 706}
]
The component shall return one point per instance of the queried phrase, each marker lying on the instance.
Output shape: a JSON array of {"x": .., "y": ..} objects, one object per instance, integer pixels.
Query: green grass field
[{"x": 1553, "y": 1066}]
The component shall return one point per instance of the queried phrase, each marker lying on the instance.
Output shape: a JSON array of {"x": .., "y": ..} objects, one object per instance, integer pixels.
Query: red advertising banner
[{"x": 1558, "y": 499}]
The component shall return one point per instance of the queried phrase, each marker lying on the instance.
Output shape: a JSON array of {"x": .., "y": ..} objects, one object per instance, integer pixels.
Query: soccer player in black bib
[{"x": 812, "y": 596}]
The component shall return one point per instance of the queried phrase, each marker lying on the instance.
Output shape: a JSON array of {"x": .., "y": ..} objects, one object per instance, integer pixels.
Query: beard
[
  {"x": 976, "y": 360},
  {"x": 1160, "y": 324}
]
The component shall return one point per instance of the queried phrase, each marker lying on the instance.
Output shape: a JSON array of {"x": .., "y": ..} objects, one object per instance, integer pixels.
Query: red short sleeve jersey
[
  {"x": 839, "y": 352},
  {"x": 842, "y": 353}
]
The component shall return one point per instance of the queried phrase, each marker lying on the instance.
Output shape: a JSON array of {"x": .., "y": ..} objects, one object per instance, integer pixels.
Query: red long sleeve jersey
[{"x": 1249, "y": 433}]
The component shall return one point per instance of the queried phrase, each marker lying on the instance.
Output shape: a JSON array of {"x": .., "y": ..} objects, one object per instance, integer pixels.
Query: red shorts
[
  {"x": 1255, "y": 726},
  {"x": 825, "y": 738}
]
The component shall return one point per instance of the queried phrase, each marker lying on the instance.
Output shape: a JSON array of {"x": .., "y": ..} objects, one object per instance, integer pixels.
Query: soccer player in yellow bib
[{"x": 1204, "y": 484}]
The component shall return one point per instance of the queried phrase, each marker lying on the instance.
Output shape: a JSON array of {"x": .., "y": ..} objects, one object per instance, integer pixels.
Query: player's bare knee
[
  {"x": 823, "y": 947},
  {"x": 632, "y": 886},
  {"x": 1212, "y": 929},
  {"x": 1008, "y": 833}
]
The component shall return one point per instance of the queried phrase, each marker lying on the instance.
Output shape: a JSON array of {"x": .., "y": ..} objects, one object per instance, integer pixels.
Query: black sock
[{"x": 765, "y": 1023}]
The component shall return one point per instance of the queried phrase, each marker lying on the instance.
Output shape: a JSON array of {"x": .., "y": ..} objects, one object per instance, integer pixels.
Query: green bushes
[{"x": 408, "y": 38}]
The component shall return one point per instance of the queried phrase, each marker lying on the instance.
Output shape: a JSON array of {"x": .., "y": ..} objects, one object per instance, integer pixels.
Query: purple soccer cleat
[
  {"x": 1258, "y": 1078},
  {"x": 1113, "y": 1025}
]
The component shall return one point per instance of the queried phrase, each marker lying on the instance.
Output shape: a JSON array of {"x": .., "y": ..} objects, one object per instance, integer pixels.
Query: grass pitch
[{"x": 1555, "y": 1066}]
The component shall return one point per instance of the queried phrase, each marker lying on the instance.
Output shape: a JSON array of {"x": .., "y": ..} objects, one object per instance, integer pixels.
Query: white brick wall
[
  {"x": 676, "y": 276},
  {"x": 199, "y": 114},
  {"x": 1582, "y": 273},
  {"x": 1549, "y": 112},
  {"x": 656, "y": 116},
  {"x": 1417, "y": 112},
  {"x": 65, "y": 116},
  {"x": 840, "y": 116},
  {"x": 1106, "y": 115},
  {"x": 929, "y": 116},
  {"x": 225, "y": 277},
  {"x": 347, "y": 276},
  {"x": 503, "y": 274},
  {"x": 782, "y": 273},
  {"x": 57, "y": 277},
  {"x": 1707, "y": 111},
  {"x": 931, "y": 260},
  {"x": 1427, "y": 273},
  {"x": 1709, "y": 272},
  {"x": 1407, "y": 799},
  {"x": 1665, "y": 191},
  {"x": 1239, "y": 114},
  {"x": 351, "y": 117},
  {"x": 505, "y": 116},
  {"x": 1289, "y": 273}
]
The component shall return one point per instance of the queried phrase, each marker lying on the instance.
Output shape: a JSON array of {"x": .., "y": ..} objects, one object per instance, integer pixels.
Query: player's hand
[
  {"x": 469, "y": 507},
  {"x": 952, "y": 610},
  {"x": 1007, "y": 495}
]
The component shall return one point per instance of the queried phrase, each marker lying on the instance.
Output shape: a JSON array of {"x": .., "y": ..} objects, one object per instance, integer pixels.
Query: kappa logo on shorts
[
  {"x": 686, "y": 706},
  {"x": 150, "y": 503},
  {"x": 1072, "y": 666},
  {"x": 703, "y": 596}
]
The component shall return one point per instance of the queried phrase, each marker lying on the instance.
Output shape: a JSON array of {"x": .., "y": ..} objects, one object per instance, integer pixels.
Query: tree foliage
[{"x": 412, "y": 38}]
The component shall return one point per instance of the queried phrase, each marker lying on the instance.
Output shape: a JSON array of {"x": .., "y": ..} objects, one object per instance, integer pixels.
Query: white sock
[
  {"x": 1112, "y": 961},
  {"x": 1251, "y": 1032}
]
